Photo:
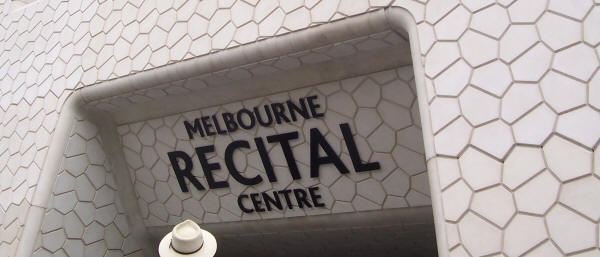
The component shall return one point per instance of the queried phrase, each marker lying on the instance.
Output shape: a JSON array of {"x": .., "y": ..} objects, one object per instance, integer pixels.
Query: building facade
[{"x": 295, "y": 128}]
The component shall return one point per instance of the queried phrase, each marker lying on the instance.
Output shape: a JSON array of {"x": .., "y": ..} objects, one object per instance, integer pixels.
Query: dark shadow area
[
  {"x": 415, "y": 240},
  {"x": 401, "y": 232}
]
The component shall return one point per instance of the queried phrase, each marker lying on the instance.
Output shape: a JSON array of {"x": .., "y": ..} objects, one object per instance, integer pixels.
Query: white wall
[{"x": 512, "y": 89}]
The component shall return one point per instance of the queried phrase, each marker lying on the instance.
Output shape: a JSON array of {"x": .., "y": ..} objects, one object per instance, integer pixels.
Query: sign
[
  {"x": 266, "y": 115},
  {"x": 344, "y": 146}
]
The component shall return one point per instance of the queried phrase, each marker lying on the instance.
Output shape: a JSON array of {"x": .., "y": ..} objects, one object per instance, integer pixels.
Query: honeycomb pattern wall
[
  {"x": 86, "y": 216},
  {"x": 381, "y": 110},
  {"x": 512, "y": 85}
]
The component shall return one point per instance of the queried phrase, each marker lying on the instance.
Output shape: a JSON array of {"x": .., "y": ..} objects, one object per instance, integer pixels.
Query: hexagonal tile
[
  {"x": 95, "y": 249},
  {"x": 53, "y": 240},
  {"x": 367, "y": 94},
  {"x": 157, "y": 38},
  {"x": 558, "y": 31},
  {"x": 526, "y": 10},
  {"x": 523, "y": 233},
  {"x": 456, "y": 199},
  {"x": 298, "y": 19},
  {"x": 367, "y": 121},
  {"x": 537, "y": 195},
  {"x": 453, "y": 139},
  {"x": 576, "y": 10},
  {"x": 453, "y": 25},
  {"x": 578, "y": 61},
  {"x": 479, "y": 107},
  {"x": 545, "y": 249},
  {"x": 104, "y": 196},
  {"x": 73, "y": 226},
  {"x": 495, "y": 204},
  {"x": 113, "y": 238},
  {"x": 442, "y": 55},
  {"x": 241, "y": 13},
  {"x": 478, "y": 236},
  {"x": 494, "y": 78},
  {"x": 106, "y": 214},
  {"x": 494, "y": 138},
  {"x": 478, "y": 169},
  {"x": 84, "y": 189},
  {"x": 347, "y": 7},
  {"x": 522, "y": 164},
  {"x": 518, "y": 100},
  {"x": 444, "y": 110},
  {"x": 398, "y": 92},
  {"x": 581, "y": 125},
  {"x": 590, "y": 34},
  {"x": 343, "y": 189},
  {"x": 570, "y": 231},
  {"x": 64, "y": 202},
  {"x": 380, "y": 139},
  {"x": 437, "y": 9},
  {"x": 73, "y": 247},
  {"x": 263, "y": 8},
  {"x": 516, "y": 40},
  {"x": 581, "y": 196},
  {"x": 64, "y": 183},
  {"x": 567, "y": 160},
  {"x": 372, "y": 190},
  {"x": 491, "y": 21},
  {"x": 52, "y": 221},
  {"x": 453, "y": 80},
  {"x": 270, "y": 25},
  {"x": 95, "y": 153},
  {"x": 409, "y": 161},
  {"x": 397, "y": 183},
  {"x": 535, "y": 127},
  {"x": 532, "y": 65},
  {"x": 341, "y": 102},
  {"x": 323, "y": 11},
  {"x": 477, "y": 49}
]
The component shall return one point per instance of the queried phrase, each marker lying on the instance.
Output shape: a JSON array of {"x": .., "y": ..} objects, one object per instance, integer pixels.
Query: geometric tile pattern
[
  {"x": 361, "y": 45},
  {"x": 526, "y": 168},
  {"x": 525, "y": 71},
  {"x": 371, "y": 104},
  {"x": 85, "y": 216}
]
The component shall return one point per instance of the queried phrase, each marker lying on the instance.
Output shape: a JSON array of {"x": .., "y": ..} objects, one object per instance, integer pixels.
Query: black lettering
[
  {"x": 241, "y": 205},
  {"x": 316, "y": 140},
  {"x": 284, "y": 141},
  {"x": 195, "y": 128},
  {"x": 275, "y": 200},
  {"x": 314, "y": 106},
  {"x": 278, "y": 111},
  {"x": 207, "y": 126},
  {"x": 256, "y": 202},
  {"x": 229, "y": 122},
  {"x": 315, "y": 197},
  {"x": 286, "y": 195},
  {"x": 293, "y": 109},
  {"x": 301, "y": 198},
  {"x": 267, "y": 112},
  {"x": 353, "y": 151},
  {"x": 235, "y": 173},
  {"x": 185, "y": 172},
  {"x": 208, "y": 168},
  {"x": 240, "y": 120},
  {"x": 218, "y": 126},
  {"x": 266, "y": 160}
]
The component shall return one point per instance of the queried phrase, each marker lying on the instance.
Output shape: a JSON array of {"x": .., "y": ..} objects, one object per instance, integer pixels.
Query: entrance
[{"x": 287, "y": 146}]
